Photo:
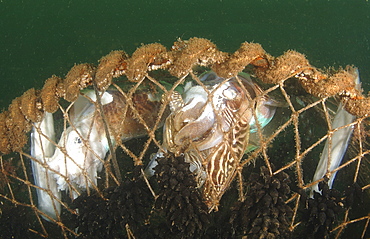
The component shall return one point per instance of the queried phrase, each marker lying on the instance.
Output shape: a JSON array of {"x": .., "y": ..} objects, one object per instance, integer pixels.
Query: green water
[{"x": 42, "y": 38}]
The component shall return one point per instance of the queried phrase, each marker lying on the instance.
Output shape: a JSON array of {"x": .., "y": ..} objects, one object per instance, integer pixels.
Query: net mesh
[{"x": 243, "y": 134}]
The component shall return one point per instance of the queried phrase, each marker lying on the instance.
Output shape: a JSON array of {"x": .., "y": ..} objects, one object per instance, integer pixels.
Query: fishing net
[{"x": 185, "y": 143}]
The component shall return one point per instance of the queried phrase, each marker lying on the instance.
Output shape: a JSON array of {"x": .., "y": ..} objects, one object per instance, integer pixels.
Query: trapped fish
[
  {"x": 74, "y": 164},
  {"x": 336, "y": 146}
]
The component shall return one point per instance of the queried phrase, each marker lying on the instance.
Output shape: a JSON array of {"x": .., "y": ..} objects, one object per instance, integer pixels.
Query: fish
[
  {"x": 42, "y": 148},
  {"x": 79, "y": 156},
  {"x": 338, "y": 145},
  {"x": 82, "y": 146},
  {"x": 72, "y": 160}
]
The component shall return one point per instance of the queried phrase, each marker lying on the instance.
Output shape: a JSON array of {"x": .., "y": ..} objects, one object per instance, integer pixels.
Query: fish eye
[{"x": 78, "y": 140}]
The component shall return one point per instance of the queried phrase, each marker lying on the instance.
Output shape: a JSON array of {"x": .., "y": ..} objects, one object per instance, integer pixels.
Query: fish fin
[
  {"x": 79, "y": 107},
  {"x": 82, "y": 105}
]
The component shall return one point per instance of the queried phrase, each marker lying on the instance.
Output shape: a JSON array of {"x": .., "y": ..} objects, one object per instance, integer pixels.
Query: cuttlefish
[
  {"x": 73, "y": 164},
  {"x": 210, "y": 125}
]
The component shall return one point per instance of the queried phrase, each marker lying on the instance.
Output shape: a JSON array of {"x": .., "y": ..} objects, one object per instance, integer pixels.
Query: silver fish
[
  {"x": 41, "y": 149},
  {"x": 73, "y": 159},
  {"x": 74, "y": 165},
  {"x": 338, "y": 144}
]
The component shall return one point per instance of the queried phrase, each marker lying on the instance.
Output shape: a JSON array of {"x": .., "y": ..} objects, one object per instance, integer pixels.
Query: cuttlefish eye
[
  {"x": 265, "y": 106},
  {"x": 264, "y": 114},
  {"x": 230, "y": 93}
]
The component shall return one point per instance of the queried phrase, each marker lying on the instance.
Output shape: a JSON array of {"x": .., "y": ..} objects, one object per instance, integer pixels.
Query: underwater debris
[
  {"x": 85, "y": 141},
  {"x": 17, "y": 125},
  {"x": 263, "y": 213},
  {"x": 195, "y": 51},
  {"x": 137, "y": 65},
  {"x": 248, "y": 53},
  {"x": 336, "y": 147},
  {"x": 179, "y": 62},
  {"x": 30, "y": 106}
]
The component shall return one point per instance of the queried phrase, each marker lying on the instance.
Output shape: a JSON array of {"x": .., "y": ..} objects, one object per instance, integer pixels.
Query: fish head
[{"x": 81, "y": 149}]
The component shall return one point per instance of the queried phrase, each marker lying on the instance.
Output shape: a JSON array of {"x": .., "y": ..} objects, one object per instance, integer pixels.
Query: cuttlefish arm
[
  {"x": 41, "y": 149},
  {"x": 339, "y": 143}
]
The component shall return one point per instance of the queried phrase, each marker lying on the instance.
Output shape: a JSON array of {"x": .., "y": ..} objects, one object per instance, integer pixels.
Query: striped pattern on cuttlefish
[{"x": 210, "y": 125}]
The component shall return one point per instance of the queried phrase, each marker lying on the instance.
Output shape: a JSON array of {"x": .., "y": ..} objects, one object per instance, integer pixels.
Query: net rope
[{"x": 106, "y": 138}]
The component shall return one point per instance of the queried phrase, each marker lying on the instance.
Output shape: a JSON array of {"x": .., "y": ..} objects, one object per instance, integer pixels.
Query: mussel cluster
[
  {"x": 123, "y": 207},
  {"x": 180, "y": 200},
  {"x": 179, "y": 210},
  {"x": 323, "y": 211},
  {"x": 264, "y": 213}
]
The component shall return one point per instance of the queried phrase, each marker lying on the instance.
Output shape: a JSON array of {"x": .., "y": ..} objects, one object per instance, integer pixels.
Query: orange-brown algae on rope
[
  {"x": 357, "y": 106},
  {"x": 78, "y": 78},
  {"x": 195, "y": 51},
  {"x": 50, "y": 93},
  {"x": 31, "y": 105},
  {"x": 322, "y": 85},
  {"x": 110, "y": 66},
  {"x": 17, "y": 126},
  {"x": 17, "y": 117},
  {"x": 137, "y": 65},
  {"x": 235, "y": 63},
  {"x": 287, "y": 65},
  {"x": 4, "y": 140}
]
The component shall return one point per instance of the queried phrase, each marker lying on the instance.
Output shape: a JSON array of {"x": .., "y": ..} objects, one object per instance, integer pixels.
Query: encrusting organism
[
  {"x": 326, "y": 208},
  {"x": 215, "y": 106},
  {"x": 180, "y": 201},
  {"x": 195, "y": 51},
  {"x": 118, "y": 208},
  {"x": 263, "y": 213}
]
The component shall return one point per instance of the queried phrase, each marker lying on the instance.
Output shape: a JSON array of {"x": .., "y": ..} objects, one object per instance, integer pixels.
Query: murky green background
[
  {"x": 39, "y": 38},
  {"x": 42, "y": 38}
]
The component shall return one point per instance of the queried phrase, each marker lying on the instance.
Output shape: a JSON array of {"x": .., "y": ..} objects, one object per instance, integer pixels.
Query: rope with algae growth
[
  {"x": 151, "y": 61},
  {"x": 183, "y": 56}
]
